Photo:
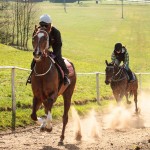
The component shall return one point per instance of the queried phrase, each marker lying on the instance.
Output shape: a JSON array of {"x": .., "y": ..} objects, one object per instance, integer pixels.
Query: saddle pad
[{"x": 69, "y": 67}]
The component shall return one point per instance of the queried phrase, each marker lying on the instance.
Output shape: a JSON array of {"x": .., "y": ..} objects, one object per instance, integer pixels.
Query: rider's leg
[
  {"x": 62, "y": 64},
  {"x": 129, "y": 72}
]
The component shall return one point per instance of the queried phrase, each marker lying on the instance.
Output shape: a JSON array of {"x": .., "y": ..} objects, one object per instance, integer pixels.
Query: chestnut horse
[
  {"x": 118, "y": 79},
  {"x": 47, "y": 83}
]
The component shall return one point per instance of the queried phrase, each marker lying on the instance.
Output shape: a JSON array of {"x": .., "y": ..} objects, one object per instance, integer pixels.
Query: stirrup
[
  {"x": 28, "y": 81},
  {"x": 66, "y": 80}
]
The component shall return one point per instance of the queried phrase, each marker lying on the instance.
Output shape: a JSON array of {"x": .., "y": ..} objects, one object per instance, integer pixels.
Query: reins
[
  {"x": 43, "y": 74},
  {"x": 119, "y": 78}
]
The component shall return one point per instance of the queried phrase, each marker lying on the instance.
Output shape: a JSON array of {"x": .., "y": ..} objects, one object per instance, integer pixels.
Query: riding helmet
[
  {"x": 45, "y": 19},
  {"x": 118, "y": 47}
]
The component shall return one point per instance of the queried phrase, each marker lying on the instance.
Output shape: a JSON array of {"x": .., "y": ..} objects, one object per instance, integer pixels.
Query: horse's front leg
[
  {"x": 35, "y": 107},
  {"x": 67, "y": 102},
  {"x": 135, "y": 100},
  {"x": 117, "y": 97},
  {"x": 47, "y": 125}
]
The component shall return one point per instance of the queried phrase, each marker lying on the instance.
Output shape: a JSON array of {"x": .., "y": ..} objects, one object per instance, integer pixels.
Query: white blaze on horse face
[{"x": 39, "y": 37}]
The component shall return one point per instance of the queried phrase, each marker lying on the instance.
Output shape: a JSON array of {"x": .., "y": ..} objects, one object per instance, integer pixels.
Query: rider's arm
[
  {"x": 57, "y": 44},
  {"x": 126, "y": 61},
  {"x": 113, "y": 57}
]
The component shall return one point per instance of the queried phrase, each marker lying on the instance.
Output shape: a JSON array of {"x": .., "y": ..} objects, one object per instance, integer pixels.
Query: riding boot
[
  {"x": 32, "y": 66},
  {"x": 131, "y": 78},
  {"x": 61, "y": 62}
]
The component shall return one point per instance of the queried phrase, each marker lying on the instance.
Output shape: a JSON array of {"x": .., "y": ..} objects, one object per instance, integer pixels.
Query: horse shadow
[{"x": 67, "y": 146}]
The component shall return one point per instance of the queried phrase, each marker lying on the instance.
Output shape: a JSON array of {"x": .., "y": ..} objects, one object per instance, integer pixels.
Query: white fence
[{"x": 97, "y": 76}]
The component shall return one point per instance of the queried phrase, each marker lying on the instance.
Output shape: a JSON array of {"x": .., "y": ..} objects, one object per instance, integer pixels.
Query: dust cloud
[
  {"x": 123, "y": 117},
  {"x": 88, "y": 128},
  {"x": 115, "y": 117}
]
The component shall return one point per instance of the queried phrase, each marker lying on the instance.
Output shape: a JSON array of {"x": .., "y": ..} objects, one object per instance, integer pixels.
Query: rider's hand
[{"x": 123, "y": 66}]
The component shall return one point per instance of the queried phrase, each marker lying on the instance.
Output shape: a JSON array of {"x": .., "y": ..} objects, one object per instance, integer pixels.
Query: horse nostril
[
  {"x": 37, "y": 54},
  {"x": 40, "y": 53}
]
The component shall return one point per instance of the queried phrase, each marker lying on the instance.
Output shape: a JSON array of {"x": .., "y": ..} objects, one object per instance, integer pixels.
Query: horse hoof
[
  {"x": 49, "y": 130},
  {"x": 60, "y": 143},
  {"x": 138, "y": 111},
  {"x": 42, "y": 129},
  {"x": 78, "y": 137},
  {"x": 34, "y": 117}
]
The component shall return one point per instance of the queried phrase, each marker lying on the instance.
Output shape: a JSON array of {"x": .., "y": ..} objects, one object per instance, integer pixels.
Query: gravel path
[{"x": 108, "y": 138}]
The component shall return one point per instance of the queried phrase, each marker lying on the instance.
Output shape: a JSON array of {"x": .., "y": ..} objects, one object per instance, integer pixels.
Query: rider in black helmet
[{"x": 120, "y": 54}]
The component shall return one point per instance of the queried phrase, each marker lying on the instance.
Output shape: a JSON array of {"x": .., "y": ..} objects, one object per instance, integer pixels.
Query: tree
[{"x": 15, "y": 23}]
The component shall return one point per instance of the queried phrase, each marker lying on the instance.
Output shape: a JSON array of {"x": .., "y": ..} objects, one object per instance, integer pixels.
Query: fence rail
[{"x": 13, "y": 68}]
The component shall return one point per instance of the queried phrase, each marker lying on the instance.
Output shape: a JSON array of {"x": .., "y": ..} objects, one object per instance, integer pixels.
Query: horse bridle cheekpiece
[{"x": 37, "y": 50}]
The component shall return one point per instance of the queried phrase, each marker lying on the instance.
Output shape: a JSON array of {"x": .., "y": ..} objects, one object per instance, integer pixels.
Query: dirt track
[
  {"x": 116, "y": 129},
  {"x": 109, "y": 139}
]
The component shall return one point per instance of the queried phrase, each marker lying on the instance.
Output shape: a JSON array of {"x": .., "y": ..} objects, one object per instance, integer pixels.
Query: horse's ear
[
  {"x": 35, "y": 30},
  {"x": 106, "y": 62}
]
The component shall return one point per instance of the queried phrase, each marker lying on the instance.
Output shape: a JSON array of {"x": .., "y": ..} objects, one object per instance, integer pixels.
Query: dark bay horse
[
  {"x": 47, "y": 83},
  {"x": 118, "y": 79}
]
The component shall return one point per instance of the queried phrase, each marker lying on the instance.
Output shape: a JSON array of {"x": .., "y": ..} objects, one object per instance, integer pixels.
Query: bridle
[
  {"x": 43, "y": 74},
  {"x": 37, "y": 52},
  {"x": 116, "y": 76}
]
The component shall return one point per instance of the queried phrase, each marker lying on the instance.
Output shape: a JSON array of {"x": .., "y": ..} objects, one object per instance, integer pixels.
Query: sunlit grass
[{"x": 89, "y": 32}]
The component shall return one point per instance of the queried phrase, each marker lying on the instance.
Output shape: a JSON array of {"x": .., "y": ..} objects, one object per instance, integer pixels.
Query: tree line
[{"x": 16, "y": 18}]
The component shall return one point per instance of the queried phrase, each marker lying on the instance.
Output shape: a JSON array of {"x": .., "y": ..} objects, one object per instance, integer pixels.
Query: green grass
[{"x": 89, "y": 32}]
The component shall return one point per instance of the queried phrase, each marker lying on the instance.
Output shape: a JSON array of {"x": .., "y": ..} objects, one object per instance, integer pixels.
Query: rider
[
  {"x": 56, "y": 43},
  {"x": 120, "y": 54}
]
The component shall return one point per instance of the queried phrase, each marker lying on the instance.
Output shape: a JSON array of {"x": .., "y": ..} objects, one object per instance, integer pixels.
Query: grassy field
[{"x": 89, "y": 32}]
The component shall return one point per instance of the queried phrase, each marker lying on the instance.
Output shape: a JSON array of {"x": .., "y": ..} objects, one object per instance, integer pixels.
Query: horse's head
[
  {"x": 40, "y": 42},
  {"x": 109, "y": 71}
]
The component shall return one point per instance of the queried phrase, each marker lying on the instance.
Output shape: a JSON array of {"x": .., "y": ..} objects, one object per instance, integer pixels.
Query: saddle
[
  {"x": 68, "y": 64},
  {"x": 69, "y": 67},
  {"x": 131, "y": 76}
]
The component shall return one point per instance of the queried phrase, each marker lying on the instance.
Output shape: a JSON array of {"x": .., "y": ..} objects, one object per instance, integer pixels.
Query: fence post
[
  {"x": 13, "y": 99},
  {"x": 97, "y": 87}
]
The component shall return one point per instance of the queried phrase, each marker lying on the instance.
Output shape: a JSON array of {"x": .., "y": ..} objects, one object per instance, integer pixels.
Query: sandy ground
[{"x": 116, "y": 129}]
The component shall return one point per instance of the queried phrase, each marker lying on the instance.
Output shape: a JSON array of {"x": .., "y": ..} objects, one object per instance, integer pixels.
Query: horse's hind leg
[
  {"x": 67, "y": 102},
  {"x": 127, "y": 96},
  {"x": 135, "y": 100}
]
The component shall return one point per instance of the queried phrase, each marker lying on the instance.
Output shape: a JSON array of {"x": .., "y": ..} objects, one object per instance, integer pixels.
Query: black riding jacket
[{"x": 55, "y": 41}]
